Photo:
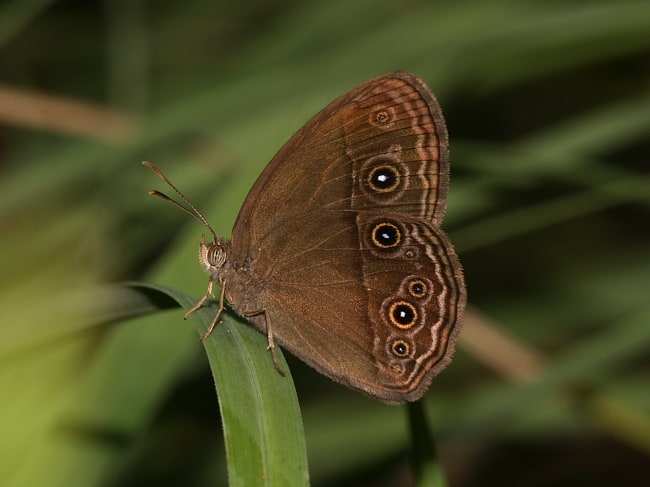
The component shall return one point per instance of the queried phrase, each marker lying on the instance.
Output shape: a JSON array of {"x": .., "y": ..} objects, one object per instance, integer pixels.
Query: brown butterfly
[{"x": 337, "y": 253}]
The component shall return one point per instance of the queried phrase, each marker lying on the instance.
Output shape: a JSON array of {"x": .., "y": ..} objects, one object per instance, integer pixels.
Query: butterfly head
[{"x": 213, "y": 255}]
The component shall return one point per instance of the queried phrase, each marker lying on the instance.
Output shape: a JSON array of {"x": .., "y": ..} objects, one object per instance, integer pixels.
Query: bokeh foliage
[{"x": 548, "y": 108}]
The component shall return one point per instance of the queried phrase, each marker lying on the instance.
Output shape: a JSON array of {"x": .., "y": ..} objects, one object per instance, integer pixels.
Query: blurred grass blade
[
  {"x": 583, "y": 364},
  {"x": 263, "y": 430},
  {"x": 18, "y": 14},
  {"x": 424, "y": 457},
  {"x": 77, "y": 311}
]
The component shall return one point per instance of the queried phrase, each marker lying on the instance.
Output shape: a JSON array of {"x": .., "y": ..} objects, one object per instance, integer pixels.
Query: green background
[{"x": 548, "y": 110}]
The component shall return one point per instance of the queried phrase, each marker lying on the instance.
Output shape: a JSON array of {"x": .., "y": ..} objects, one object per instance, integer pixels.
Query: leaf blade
[{"x": 263, "y": 430}]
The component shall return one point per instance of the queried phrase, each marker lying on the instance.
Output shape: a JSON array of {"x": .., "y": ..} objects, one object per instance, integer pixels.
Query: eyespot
[
  {"x": 383, "y": 178},
  {"x": 400, "y": 348},
  {"x": 418, "y": 288},
  {"x": 386, "y": 235},
  {"x": 411, "y": 253},
  {"x": 386, "y": 238},
  {"x": 382, "y": 117},
  {"x": 403, "y": 314}
]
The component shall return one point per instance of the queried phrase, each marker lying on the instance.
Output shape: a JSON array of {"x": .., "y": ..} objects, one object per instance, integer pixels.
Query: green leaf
[{"x": 265, "y": 443}]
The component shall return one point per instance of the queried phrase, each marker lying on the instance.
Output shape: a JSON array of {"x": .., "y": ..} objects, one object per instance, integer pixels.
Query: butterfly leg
[
  {"x": 269, "y": 337},
  {"x": 213, "y": 323},
  {"x": 201, "y": 301},
  {"x": 271, "y": 346}
]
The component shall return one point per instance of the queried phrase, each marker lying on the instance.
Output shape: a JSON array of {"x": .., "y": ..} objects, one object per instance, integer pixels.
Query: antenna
[{"x": 190, "y": 209}]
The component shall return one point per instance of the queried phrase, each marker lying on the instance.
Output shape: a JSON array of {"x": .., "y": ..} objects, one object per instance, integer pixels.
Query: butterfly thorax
[{"x": 243, "y": 288}]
